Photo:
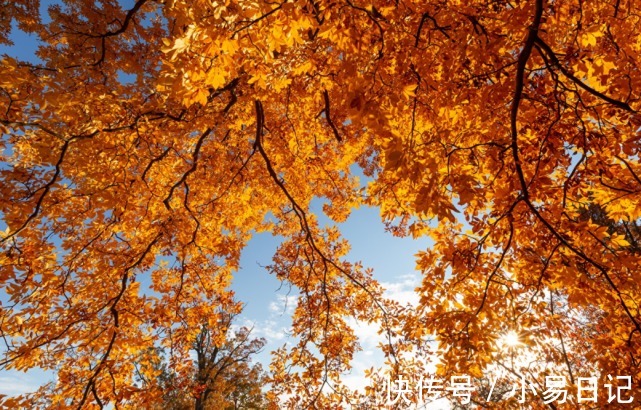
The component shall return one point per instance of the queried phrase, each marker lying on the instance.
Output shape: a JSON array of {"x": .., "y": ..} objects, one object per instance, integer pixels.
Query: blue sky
[{"x": 267, "y": 304}]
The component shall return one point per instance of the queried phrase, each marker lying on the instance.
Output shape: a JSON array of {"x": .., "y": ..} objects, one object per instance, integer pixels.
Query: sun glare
[{"x": 511, "y": 339}]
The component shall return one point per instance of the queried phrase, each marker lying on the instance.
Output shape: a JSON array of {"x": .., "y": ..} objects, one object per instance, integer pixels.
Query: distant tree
[{"x": 223, "y": 375}]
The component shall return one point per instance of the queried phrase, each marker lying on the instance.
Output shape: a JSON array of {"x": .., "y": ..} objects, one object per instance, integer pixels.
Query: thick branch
[
  {"x": 329, "y": 117},
  {"x": 555, "y": 60}
]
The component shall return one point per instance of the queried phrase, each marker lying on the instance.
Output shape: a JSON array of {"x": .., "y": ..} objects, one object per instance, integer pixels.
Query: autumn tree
[
  {"x": 223, "y": 375},
  {"x": 488, "y": 125},
  {"x": 225, "y": 372}
]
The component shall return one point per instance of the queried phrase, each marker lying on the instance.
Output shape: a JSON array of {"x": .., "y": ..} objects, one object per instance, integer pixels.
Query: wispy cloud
[
  {"x": 283, "y": 305},
  {"x": 403, "y": 290},
  {"x": 13, "y": 383}
]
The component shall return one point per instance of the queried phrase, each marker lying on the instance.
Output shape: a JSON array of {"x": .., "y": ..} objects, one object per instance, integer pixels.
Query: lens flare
[{"x": 511, "y": 339}]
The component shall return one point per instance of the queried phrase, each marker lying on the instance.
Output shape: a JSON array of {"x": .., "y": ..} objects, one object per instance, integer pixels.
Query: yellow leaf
[
  {"x": 215, "y": 78},
  {"x": 619, "y": 240},
  {"x": 409, "y": 90},
  {"x": 303, "y": 68}
]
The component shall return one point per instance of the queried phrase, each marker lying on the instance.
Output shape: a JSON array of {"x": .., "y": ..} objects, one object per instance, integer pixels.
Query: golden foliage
[{"x": 503, "y": 121}]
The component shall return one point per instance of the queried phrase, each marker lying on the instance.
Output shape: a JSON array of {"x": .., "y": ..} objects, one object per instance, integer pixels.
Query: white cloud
[
  {"x": 403, "y": 291},
  {"x": 273, "y": 330},
  {"x": 283, "y": 305},
  {"x": 13, "y": 383}
]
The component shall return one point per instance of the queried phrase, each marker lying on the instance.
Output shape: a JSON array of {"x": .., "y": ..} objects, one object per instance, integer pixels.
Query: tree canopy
[{"x": 155, "y": 137}]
